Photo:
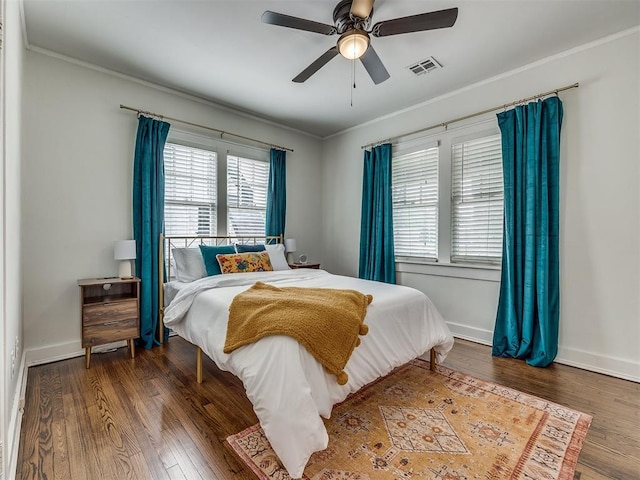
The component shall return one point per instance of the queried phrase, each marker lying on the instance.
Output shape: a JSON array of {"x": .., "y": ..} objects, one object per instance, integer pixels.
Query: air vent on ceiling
[{"x": 424, "y": 66}]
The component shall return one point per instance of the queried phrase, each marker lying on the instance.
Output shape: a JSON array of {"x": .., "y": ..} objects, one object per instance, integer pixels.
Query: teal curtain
[
  {"x": 377, "y": 256},
  {"x": 529, "y": 306},
  {"x": 276, "y": 193},
  {"x": 148, "y": 220}
]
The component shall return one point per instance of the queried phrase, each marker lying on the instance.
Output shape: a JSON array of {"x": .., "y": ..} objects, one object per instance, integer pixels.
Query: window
[
  {"x": 415, "y": 202},
  {"x": 247, "y": 181},
  {"x": 477, "y": 201},
  {"x": 190, "y": 191},
  {"x": 448, "y": 199},
  {"x": 199, "y": 181}
]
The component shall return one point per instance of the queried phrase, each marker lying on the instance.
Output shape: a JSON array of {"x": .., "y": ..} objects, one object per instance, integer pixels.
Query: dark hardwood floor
[{"x": 147, "y": 418}]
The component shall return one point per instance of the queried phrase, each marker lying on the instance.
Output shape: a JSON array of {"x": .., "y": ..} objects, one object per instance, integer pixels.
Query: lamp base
[
  {"x": 124, "y": 269},
  {"x": 290, "y": 258}
]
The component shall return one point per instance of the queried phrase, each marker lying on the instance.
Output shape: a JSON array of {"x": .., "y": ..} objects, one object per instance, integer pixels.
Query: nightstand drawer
[
  {"x": 109, "y": 331},
  {"x": 110, "y": 312}
]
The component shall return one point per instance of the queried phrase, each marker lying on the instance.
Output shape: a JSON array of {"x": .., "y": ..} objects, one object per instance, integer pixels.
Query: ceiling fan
[{"x": 352, "y": 19}]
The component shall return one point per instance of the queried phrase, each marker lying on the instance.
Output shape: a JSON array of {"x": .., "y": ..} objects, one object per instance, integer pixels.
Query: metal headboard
[{"x": 169, "y": 242}]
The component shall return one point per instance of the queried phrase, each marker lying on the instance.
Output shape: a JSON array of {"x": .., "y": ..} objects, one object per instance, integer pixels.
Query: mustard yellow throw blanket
[{"x": 325, "y": 321}]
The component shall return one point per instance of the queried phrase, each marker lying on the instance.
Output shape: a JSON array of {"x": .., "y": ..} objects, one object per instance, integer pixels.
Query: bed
[{"x": 289, "y": 389}]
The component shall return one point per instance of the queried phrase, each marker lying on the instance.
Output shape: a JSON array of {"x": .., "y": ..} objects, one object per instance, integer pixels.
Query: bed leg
[
  {"x": 199, "y": 365},
  {"x": 161, "y": 324},
  {"x": 432, "y": 360}
]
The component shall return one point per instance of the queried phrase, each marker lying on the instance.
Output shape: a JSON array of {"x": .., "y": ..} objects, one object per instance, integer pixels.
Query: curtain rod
[
  {"x": 459, "y": 119},
  {"x": 221, "y": 132}
]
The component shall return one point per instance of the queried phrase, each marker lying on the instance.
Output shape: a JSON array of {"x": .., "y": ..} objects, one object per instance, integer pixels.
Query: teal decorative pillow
[
  {"x": 249, "y": 248},
  {"x": 209, "y": 256}
]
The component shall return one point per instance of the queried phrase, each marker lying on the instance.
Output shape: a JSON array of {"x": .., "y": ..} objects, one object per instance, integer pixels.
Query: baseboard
[
  {"x": 15, "y": 420},
  {"x": 473, "y": 334},
  {"x": 63, "y": 351},
  {"x": 614, "y": 367},
  {"x": 573, "y": 357}
]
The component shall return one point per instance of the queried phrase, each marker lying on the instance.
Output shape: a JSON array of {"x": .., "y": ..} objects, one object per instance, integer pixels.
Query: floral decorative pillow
[{"x": 244, "y": 262}]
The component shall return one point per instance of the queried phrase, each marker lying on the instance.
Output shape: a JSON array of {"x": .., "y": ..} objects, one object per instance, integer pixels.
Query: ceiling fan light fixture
[{"x": 353, "y": 43}]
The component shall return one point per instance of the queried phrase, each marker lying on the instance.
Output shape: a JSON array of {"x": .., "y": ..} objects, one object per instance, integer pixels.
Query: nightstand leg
[
  {"x": 132, "y": 348},
  {"x": 432, "y": 358},
  {"x": 87, "y": 357}
]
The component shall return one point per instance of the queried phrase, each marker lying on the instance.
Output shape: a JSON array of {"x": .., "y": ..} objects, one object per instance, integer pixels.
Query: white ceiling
[{"x": 220, "y": 50}]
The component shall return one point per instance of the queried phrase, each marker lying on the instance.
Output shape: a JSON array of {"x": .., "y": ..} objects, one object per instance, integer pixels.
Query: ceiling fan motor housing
[{"x": 343, "y": 20}]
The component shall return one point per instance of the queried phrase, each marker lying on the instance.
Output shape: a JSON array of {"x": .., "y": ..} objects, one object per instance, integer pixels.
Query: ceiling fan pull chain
[{"x": 353, "y": 79}]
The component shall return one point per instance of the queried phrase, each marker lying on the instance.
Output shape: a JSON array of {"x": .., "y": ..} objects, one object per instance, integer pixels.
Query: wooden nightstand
[
  {"x": 304, "y": 265},
  {"x": 110, "y": 312}
]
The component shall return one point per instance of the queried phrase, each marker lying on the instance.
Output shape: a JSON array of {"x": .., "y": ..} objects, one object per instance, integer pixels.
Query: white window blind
[
  {"x": 190, "y": 190},
  {"x": 247, "y": 181},
  {"x": 477, "y": 201},
  {"x": 415, "y": 203}
]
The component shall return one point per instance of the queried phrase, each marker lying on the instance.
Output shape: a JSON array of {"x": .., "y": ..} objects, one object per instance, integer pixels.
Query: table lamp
[
  {"x": 125, "y": 251},
  {"x": 290, "y": 247}
]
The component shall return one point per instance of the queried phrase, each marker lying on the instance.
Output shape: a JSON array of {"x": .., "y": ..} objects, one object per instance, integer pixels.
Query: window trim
[{"x": 456, "y": 270}]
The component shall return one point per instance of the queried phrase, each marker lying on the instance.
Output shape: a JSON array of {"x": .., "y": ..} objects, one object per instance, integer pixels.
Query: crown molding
[
  {"x": 165, "y": 89},
  {"x": 495, "y": 78}
]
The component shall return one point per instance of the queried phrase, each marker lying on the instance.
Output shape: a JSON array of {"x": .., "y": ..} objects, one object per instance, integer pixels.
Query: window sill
[{"x": 487, "y": 273}]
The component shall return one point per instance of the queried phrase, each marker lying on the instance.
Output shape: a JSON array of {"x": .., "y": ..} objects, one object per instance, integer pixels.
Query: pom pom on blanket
[{"x": 342, "y": 378}]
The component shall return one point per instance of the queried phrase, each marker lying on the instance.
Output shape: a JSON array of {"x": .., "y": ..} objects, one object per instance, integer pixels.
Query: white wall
[
  {"x": 600, "y": 205},
  {"x": 77, "y": 176},
  {"x": 11, "y": 295}
]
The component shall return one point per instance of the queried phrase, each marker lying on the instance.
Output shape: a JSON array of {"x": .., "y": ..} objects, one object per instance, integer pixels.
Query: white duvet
[{"x": 288, "y": 387}]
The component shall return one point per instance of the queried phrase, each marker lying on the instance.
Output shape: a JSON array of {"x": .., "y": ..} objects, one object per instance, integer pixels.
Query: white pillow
[
  {"x": 189, "y": 264},
  {"x": 276, "y": 256}
]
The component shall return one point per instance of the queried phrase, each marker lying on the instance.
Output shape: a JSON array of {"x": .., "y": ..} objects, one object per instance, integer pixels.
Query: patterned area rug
[{"x": 442, "y": 425}]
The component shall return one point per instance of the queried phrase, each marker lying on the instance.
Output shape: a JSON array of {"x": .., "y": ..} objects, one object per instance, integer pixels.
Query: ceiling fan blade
[
  {"x": 374, "y": 66},
  {"x": 361, "y": 8},
  {"x": 416, "y": 23},
  {"x": 282, "y": 20},
  {"x": 317, "y": 65}
]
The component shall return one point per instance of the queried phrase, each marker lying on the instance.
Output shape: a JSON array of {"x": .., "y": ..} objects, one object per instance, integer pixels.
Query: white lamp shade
[
  {"x": 125, "y": 250},
  {"x": 290, "y": 245}
]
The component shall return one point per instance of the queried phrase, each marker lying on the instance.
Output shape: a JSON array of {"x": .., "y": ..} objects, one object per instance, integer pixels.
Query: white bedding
[
  {"x": 288, "y": 387},
  {"x": 171, "y": 289}
]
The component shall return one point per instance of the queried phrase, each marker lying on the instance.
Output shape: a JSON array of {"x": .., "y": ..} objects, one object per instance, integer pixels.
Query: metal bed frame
[{"x": 169, "y": 242}]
